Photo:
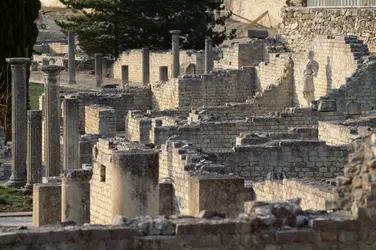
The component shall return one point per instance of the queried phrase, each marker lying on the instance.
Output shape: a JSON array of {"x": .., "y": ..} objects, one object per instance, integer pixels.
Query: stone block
[
  {"x": 256, "y": 33},
  {"x": 46, "y": 204},
  {"x": 353, "y": 108},
  {"x": 327, "y": 105},
  {"x": 228, "y": 199}
]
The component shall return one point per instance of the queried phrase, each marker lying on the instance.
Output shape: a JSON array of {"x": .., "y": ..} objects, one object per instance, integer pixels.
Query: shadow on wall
[{"x": 328, "y": 70}]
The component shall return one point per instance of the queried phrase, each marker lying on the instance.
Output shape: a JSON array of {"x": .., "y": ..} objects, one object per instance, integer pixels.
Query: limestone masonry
[{"x": 215, "y": 149}]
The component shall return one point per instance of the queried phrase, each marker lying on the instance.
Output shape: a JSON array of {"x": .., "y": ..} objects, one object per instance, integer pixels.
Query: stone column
[
  {"x": 75, "y": 196},
  {"x": 175, "y": 53},
  {"x": 98, "y": 69},
  {"x": 145, "y": 66},
  {"x": 19, "y": 106},
  {"x": 163, "y": 73},
  {"x": 124, "y": 76},
  {"x": 104, "y": 66},
  {"x": 52, "y": 119},
  {"x": 208, "y": 55},
  {"x": 71, "y": 58},
  {"x": 34, "y": 148},
  {"x": 71, "y": 133}
]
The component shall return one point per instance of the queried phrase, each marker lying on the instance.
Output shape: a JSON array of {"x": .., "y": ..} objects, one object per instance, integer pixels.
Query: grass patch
[
  {"x": 36, "y": 89},
  {"x": 14, "y": 200}
]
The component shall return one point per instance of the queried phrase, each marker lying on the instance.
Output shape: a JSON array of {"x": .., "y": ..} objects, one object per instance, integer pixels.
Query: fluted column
[
  {"x": 52, "y": 119},
  {"x": 71, "y": 58},
  {"x": 34, "y": 148},
  {"x": 19, "y": 107},
  {"x": 175, "y": 53}
]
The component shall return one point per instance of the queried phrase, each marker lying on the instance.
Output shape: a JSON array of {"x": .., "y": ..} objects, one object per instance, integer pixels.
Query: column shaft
[
  {"x": 208, "y": 55},
  {"x": 71, "y": 58},
  {"x": 52, "y": 120},
  {"x": 71, "y": 133},
  {"x": 19, "y": 106},
  {"x": 98, "y": 69},
  {"x": 145, "y": 66},
  {"x": 175, "y": 53},
  {"x": 34, "y": 148}
]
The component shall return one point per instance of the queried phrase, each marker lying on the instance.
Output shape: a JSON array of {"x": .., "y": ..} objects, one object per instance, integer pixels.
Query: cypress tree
[{"x": 18, "y": 36}]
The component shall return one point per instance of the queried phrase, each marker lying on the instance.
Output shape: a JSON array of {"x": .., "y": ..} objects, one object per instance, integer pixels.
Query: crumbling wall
[
  {"x": 219, "y": 135},
  {"x": 216, "y": 88},
  {"x": 297, "y": 159},
  {"x": 240, "y": 55},
  {"x": 340, "y": 134},
  {"x": 133, "y": 59},
  {"x": 337, "y": 58},
  {"x": 120, "y": 101},
  {"x": 313, "y": 194},
  {"x": 274, "y": 96},
  {"x": 269, "y": 73},
  {"x": 300, "y": 25}
]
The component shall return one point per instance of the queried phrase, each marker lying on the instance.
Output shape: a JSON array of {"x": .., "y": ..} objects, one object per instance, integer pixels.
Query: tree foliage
[
  {"x": 112, "y": 26},
  {"x": 18, "y": 36}
]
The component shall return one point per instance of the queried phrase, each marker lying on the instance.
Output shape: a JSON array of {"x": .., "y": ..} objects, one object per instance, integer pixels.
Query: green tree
[
  {"x": 112, "y": 26},
  {"x": 18, "y": 36}
]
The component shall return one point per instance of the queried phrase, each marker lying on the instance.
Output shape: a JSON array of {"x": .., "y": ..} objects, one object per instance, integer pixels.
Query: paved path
[
  {"x": 16, "y": 222},
  {"x": 16, "y": 214}
]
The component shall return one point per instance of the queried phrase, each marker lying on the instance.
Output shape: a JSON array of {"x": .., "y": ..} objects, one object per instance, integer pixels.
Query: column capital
[
  {"x": 175, "y": 32},
  {"x": 52, "y": 69},
  {"x": 18, "y": 61}
]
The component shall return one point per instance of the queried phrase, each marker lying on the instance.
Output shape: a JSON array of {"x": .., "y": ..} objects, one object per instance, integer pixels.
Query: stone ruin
[{"x": 208, "y": 152}]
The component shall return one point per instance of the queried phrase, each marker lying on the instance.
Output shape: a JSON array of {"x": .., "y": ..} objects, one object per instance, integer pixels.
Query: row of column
[
  {"x": 163, "y": 70},
  {"x": 27, "y": 128}
]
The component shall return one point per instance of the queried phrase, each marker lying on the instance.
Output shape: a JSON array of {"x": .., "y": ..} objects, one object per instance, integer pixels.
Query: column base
[
  {"x": 72, "y": 82},
  {"x": 28, "y": 188},
  {"x": 15, "y": 182}
]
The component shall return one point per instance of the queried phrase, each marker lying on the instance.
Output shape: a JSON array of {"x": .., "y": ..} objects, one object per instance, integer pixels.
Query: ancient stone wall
[
  {"x": 186, "y": 168},
  {"x": 121, "y": 102},
  {"x": 216, "y": 88},
  {"x": 337, "y": 59},
  {"x": 58, "y": 48},
  {"x": 300, "y": 25},
  {"x": 269, "y": 73},
  {"x": 242, "y": 54},
  {"x": 100, "y": 120},
  {"x": 297, "y": 159},
  {"x": 313, "y": 194},
  {"x": 271, "y": 88},
  {"x": 219, "y": 135},
  {"x": 335, "y": 134},
  {"x": 100, "y": 186},
  {"x": 190, "y": 62}
]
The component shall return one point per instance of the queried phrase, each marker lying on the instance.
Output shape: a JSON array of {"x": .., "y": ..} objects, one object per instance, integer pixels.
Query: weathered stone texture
[
  {"x": 133, "y": 58},
  {"x": 216, "y": 88},
  {"x": 242, "y": 54},
  {"x": 313, "y": 194},
  {"x": 300, "y": 25},
  {"x": 297, "y": 159},
  {"x": 215, "y": 136},
  {"x": 100, "y": 120},
  {"x": 46, "y": 204}
]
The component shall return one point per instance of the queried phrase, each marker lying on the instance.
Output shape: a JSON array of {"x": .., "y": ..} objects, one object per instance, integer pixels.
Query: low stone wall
[
  {"x": 212, "y": 89},
  {"x": 313, "y": 194},
  {"x": 297, "y": 159},
  {"x": 220, "y": 136}
]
